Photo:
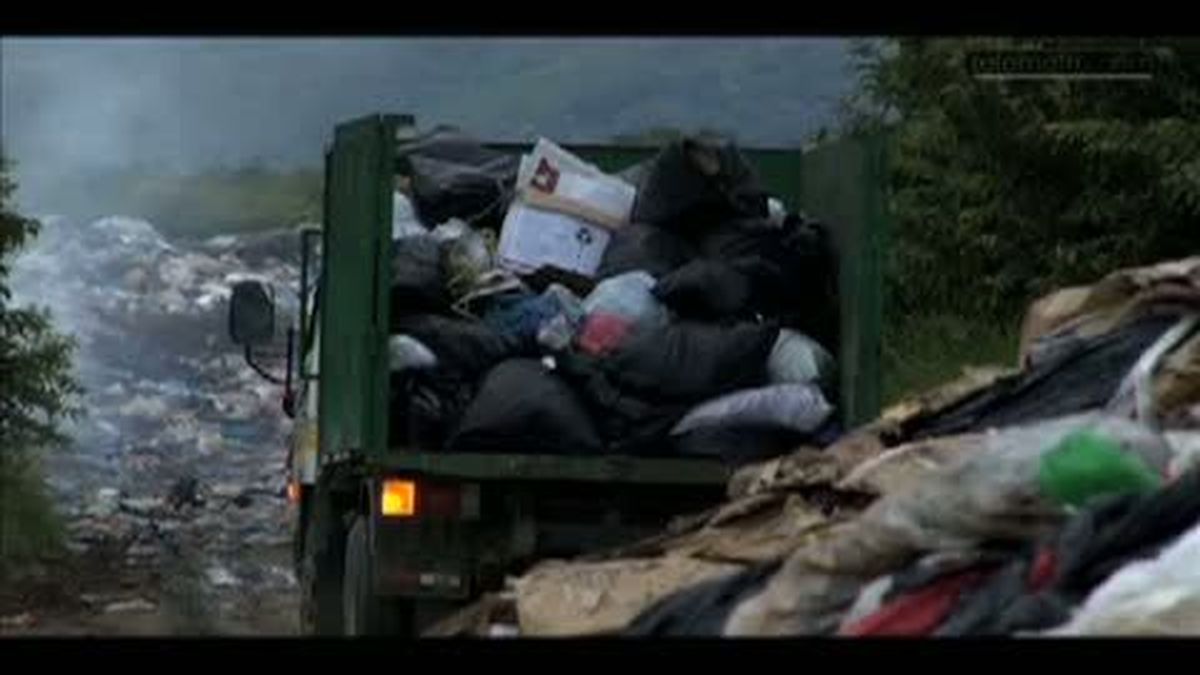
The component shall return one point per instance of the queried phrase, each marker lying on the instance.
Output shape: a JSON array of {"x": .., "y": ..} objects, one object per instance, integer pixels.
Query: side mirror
[{"x": 251, "y": 314}]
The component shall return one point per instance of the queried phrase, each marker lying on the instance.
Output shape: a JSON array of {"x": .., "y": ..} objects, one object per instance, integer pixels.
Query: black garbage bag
[
  {"x": 545, "y": 276},
  {"x": 1071, "y": 382},
  {"x": 426, "y": 406},
  {"x": 633, "y": 174},
  {"x": 706, "y": 290},
  {"x": 462, "y": 347},
  {"x": 522, "y": 407},
  {"x": 638, "y": 246},
  {"x": 629, "y": 424},
  {"x": 454, "y": 176},
  {"x": 695, "y": 183},
  {"x": 702, "y": 609},
  {"x": 691, "y": 361},
  {"x": 792, "y": 270},
  {"x": 418, "y": 278}
]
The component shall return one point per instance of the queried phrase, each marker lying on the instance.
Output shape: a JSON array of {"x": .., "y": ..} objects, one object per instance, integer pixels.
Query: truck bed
[{"x": 600, "y": 468}]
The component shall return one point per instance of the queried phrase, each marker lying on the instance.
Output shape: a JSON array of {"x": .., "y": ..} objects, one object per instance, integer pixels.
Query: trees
[
  {"x": 36, "y": 393},
  {"x": 1002, "y": 190}
]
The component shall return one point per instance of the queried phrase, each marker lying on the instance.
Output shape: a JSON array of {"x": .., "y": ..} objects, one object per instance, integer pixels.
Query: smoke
[{"x": 75, "y": 106}]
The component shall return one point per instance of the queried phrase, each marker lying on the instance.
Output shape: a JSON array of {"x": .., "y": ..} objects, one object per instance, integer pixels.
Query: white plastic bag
[
  {"x": 404, "y": 220},
  {"x": 776, "y": 212},
  {"x": 407, "y": 353},
  {"x": 1149, "y": 597},
  {"x": 799, "y": 407},
  {"x": 798, "y": 358},
  {"x": 628, "y": 296}
]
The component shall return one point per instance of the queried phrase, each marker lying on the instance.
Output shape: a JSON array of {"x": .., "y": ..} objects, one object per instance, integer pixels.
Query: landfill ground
[
  {"x": 172, "y": 494},
  {"x": 90, "y": 595}
]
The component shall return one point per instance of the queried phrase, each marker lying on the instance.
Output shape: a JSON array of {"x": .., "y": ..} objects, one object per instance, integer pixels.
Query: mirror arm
[{"x": 258, "y": 369}]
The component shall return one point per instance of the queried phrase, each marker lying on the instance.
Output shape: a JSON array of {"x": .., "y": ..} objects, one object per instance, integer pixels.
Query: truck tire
[
  {"x": 321, "y": 568},
  {"x": 366, "y": 613}
]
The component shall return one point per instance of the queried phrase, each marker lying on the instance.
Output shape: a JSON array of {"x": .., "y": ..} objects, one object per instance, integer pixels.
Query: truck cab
[{"x": 390, "y": 538}]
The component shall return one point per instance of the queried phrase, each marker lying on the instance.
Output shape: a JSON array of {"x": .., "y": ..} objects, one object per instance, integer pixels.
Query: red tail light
[
  {"x": 398, "y": 499},
  {"x": 412, "y": 498}
]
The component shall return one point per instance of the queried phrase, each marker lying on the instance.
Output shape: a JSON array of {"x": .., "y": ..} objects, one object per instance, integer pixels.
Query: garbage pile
[
  {"x": 541, "y": 305},
  {"x": 1060, "y": 497},
  {"x": 180, "y": 445}
]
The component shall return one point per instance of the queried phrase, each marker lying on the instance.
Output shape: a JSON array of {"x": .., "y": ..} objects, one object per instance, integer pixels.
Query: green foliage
[
  {"x": 29, "y": 524},
  {"x": 1003, "y": 190},
  {"x": 922, "y": 351},
  {"x": 36, "y": 393}
]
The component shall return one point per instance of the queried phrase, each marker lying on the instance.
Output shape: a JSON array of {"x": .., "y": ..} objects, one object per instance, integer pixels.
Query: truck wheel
[
  {"x": 321, "y": 569},
  {"x": 365, "y": 612}
]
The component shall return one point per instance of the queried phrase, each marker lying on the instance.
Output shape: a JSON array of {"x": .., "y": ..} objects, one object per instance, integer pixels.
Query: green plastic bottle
[{"x": 1088, "y": 464}]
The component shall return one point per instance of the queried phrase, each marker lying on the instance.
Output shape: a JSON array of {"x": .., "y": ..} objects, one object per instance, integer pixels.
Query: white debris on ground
[
  {"x": 181, "y": 453},
  {"x": 130, "y": 606}
]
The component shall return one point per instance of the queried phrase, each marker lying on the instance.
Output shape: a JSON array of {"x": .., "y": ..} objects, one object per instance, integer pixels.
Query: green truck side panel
[
  {"x": 605, "y": 469},
  {"x": 353, "y": 385},
  {"x": 842, "y": 184},
  {"x": 839, "y": 183}
]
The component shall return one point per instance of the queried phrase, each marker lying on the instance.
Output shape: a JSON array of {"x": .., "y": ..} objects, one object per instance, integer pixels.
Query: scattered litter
[
  {"x": 220, "y": 577},
  {"x": 142, "y": 506},
  {"x": 22, "y": 620},
  {"x": 134, "y": 606},
  {"x": 501, "y": 630}
]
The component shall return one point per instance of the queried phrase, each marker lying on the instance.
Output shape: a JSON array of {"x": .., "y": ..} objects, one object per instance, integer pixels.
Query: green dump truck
[{"x": 389, "y": 539}]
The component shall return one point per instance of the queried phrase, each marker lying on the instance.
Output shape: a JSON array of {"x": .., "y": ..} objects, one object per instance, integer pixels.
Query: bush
[
  {"x": 29, "y": 526},
  {"x": 36, "y": 393},
  {"x": 1001, "y": 191}
]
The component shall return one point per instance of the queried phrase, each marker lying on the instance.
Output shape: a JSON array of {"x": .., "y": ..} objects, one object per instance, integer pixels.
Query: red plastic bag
[{"x": 603, "y": 332}]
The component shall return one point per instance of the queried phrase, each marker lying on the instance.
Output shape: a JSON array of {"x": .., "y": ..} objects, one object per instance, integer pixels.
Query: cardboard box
[
  {"x": 553, "y": 179},
  {"x": 532, "y": 237}
]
